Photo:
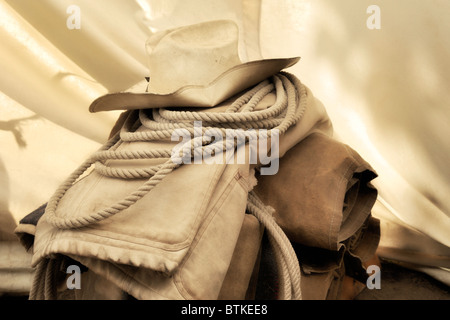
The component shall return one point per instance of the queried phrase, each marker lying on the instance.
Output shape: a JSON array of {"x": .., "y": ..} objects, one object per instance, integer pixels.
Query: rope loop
[{"x": 161, "y": 124}]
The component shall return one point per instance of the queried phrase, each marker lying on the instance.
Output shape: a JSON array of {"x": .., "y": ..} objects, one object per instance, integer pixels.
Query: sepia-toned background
[{"x": 385, "y": 89}]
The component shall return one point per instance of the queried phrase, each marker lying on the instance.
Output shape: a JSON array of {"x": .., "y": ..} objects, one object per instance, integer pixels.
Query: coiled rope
[{"x": 287, "y": 110}]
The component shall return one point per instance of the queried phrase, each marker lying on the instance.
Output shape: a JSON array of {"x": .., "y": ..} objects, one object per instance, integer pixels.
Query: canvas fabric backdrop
[{"x": 386, "y": 91}]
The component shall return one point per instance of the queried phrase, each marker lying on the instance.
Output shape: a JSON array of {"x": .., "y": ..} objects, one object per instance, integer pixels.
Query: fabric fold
[{"x": 322, "y": 193}]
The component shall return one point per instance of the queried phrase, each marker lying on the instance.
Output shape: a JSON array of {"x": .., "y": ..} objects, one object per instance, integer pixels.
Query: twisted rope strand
[{"x": 286, "y": 257}]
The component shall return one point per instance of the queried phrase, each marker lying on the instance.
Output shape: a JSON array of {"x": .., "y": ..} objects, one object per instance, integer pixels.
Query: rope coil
[{"x": 287, "y": 110}]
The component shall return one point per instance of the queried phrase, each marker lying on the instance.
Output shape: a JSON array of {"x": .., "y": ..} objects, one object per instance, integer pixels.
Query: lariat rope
[{"x": 289, "y": 107}]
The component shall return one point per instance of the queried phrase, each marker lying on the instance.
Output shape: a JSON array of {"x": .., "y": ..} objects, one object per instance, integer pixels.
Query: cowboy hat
[{"x": 193, "y": 66}]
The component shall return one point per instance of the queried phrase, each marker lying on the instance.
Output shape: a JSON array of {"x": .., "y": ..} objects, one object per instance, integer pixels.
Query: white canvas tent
[{"x": 382, "y": 74}]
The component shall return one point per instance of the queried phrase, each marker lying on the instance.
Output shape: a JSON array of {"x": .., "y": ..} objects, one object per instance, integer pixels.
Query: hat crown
[
  {"x": 191, "y": 55},
  {"x": 195, "y": 66}
]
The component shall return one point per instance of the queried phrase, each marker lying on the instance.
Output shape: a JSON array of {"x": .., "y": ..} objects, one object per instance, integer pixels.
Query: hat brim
[{"x": 226, "y": 85}]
